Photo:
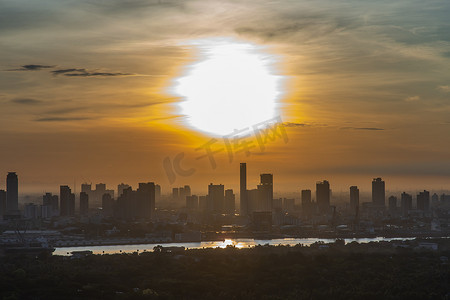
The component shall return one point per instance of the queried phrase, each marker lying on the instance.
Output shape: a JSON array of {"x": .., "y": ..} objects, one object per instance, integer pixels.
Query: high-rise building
[
  {"x": 120, "y": 188},
  {"x": 175, "y": 194},
  {"x": 192, "y": 202},
  {"x": 244, "y": 202},
  {"x": 354, "y": 199},
  {"x": 51, "y": 201},
  {"x": 12, "y": 192},
  {"x": 306, "y": 202},
  {"x": 107, "y": 205},
  {"x": 323, "y": 194},
  {"x": 378, "y": 193},
  {"x": 157, "y": 192},
  {"x": 392, "y": 204},
  {"x": 67, "y": 201},
  {"x": 146, "y": 200},
  {"x": 84, "y": 203},
  {"x": 423, "y": 201},
  {"x": 203, "y": 203},
  {"x": 406, "y": 203},
  {"x": 2, "y": 203},
  {"x": 230, "y": 200},
  {"x": 266, "y": 192},
  {"x": 289, "y": 204},
  {"x": 216, "y": 197}
]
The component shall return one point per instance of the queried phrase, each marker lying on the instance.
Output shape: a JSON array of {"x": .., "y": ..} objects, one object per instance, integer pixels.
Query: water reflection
[{"x": 238, "y": 243}]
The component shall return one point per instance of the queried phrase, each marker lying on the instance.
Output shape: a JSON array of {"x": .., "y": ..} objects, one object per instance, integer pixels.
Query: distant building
[
  {"x": 230, "y": 200},
  {"x": 175, "y": 194},
  {"x": 139, "y": 204},
  {"x": 288, "y": 204},
  {"x": 323, "y": 194},
  {"x": 203, "y": 203},
  {"x": 216, "y": 198},
  {"x": 95, "y": 196},
  {"x": 244, "y": 202},
  {"x": 423, "y": 201},
  {"x": 306, "y": 202},
  {"x": 262, "y": 221},
  {"x": 392, "y": 204},
  {"x": 107, "y": 205},
  {"x": 265, "y": 192},
  {"x": 120, "y": 188},
  {"x": 51, "y": 201},
  {"x": 278, "y": 204},
  {"x": 192, "y": 202},
  {"x": 406, "y": 203},
  {"x": 378, "y": 193},
  {"x": 354, "y": 199},
  {"x": 157, "y": 192},
  {"x": 67, "y": 201},
  {"x": 84, "y": 203},
  {"x": 12, "y": 192},
  {"x": 31, "y": 211},
  {"x": 2, "y": 203}
]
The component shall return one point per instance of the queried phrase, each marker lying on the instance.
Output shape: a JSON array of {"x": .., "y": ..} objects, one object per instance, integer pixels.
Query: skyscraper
[
  {"x": 146, "y": 200},
  {"x": 2, "y": 202},
  {"x": 423, "y": 201},
  {"x": 354, "y": 198},
  {"x": 12, "y": 192},
  {"x": 229, "y": 201},
  {"x": 323, "y": 195},
  {"x": 306, "y": 202},
  {"x": 378, "y": 192},
  {"x": 67, "y": 201},
  {"x": 84, "y": 203},
  {"x": 216, "y": 197},
  {"x": 392, "y": 204},
  {"x": 244, "y": 207},
  {"x": 266, "y": 192},
  {"x": 406, "y": 203}
]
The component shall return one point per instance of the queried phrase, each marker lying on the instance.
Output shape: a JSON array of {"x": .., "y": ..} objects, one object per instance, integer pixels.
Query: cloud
[
  {"x": 26, "y": 101},
  {"x": 291, "y": 124},
  {"x": 445, "y": 88},
  {"x": 362, "y": 128},
  {"x": 87, "y": 73},
  {"x": 412, "y": 99},
  {"x": 60, "y": 119},
  {"x": 32, "y": 68}
]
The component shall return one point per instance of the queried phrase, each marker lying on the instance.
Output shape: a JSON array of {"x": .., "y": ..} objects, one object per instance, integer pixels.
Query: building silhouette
[
  {"x": 354, "y": 199},
  {"x": 378, "y": 193},
  {"x": 51, "y": 201},
  {"x": 67, "y": 201},
  {"x": 230, "y": 200},
  {"x": 12, "y": 193},
  {"x": 392, "y": 204},
  {"x": 406, "y": 203},
  {"x": 243, "y": 194},
  {"x": 265, "y": 192},
  {"x": 192, "y": 202},
  {"x": 216, "y": 198},
  {"x": 120, "y": 188},
  {"x": 84, "y": 203},
  {"x": 323, "y": 194},
  {"x": 423, "y": 201},
  {"x": 2, "y": 203},
  {"x": 306, "y": 202}
]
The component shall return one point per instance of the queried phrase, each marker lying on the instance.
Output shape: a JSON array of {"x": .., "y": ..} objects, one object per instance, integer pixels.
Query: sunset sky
[{"x": 88, "y": 91}]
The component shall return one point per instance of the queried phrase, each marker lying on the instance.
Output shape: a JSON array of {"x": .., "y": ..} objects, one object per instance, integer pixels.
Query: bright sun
[{"x": 232, "y": 87}]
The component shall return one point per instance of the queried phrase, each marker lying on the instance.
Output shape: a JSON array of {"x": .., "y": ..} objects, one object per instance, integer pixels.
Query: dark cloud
[
  {"x": 87, "y": 73},
  {"x": 290, "y": 124},
  {"x": 62, "y": 119},
  {"x": 32, "y": 68},
  {"x": 362, "y": 128},
  {"x": 26, "y": 101}
]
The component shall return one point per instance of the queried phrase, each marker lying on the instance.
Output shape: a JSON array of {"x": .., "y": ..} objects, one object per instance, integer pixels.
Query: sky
[{"x": 86, "y": 92}]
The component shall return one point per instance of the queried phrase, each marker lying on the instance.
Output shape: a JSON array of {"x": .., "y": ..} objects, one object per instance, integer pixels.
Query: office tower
[
  {"x": 306, "y": 202},
  {"x": 216, "y": 197},
  {"x": 2, "y": 203},
  {"x": 157, "y": 192},
  {"x": 289, "y": 204},
  {"x": 51, "y": 201},
  {"x": 392, "y": 204},
  {"x": 230, "y": 200},
  {"x": 84, "y": 203},
  {"x": 203, "y": 203},
  {"x": 146, "y": 200},
  {"x": 12, "y": 192},
  {"x": 423, "y": 201},
  {"x": 378, "y": 192},
  {"x": 175, "y": 194},
  {"x": 244, "y": 202},
  {"x": 406, "y": 203},
  {"x": 120, "y": 188},
  {"x": 266, "y": 192},
  {"x": 192, "y": 202},
  {"x": 107, "y": 205},
  {"x": 354, "y": 199},
  {"x": 323, "y": 194},
  {"x": 67, "y": 201}
]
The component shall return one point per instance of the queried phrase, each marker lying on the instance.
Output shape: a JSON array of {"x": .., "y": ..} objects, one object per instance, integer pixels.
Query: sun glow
[{"x": 232, "y": 87}]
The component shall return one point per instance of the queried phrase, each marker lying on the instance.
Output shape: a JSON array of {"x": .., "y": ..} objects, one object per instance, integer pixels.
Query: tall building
[
  {"x": 51, "y": 201},
  {"x": 323, "y": 195},
  {"x": 120, "y": 188},
  {"x": 192, "y": 202},
  {"x": 423, "y": 201},
  {"x": 378, "y": 192},
  {"x": 157, "y": 192},
  {"x": 84, "y": 203},
  {"x": 230, "y": 200},
  {"x": 2, "y": 203},
  {"x": 354, "y": 199},
  {"x": 175, "y": 194},
  {"x": 406, "y": 203},
  {"x": 146, "y": 200},
  {"x": 12, "y": 192},
  {"x": 67, "y": 201},
  {"x": 216, "y": 197},
  {"x": 244, "y": 202},
  {"x": 306, "y": 202},
  {"x": 392, "y": 204},
  {"x": 107, "y": 205},
  {"x": 266, "y": 192}
]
